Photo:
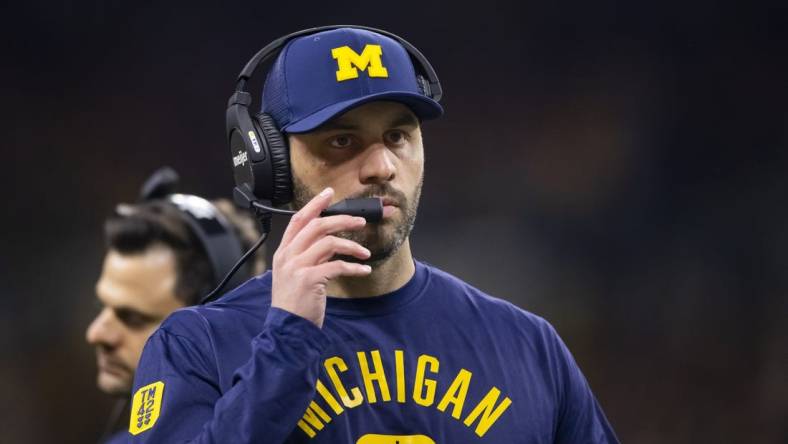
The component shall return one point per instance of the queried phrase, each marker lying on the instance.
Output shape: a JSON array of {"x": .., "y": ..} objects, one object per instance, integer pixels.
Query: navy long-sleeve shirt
[{"x": 436, "y": 361}]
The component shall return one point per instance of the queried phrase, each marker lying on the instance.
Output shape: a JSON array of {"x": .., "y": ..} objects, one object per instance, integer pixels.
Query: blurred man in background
[{"x": 155, "y": 263}]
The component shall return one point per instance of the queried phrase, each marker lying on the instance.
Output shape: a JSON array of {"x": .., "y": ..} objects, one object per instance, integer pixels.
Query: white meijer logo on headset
[{"x": 240, "y": 158}]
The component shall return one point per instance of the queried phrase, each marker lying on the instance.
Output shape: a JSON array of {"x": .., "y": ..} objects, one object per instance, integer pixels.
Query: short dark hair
[{"x": 136, "y": 227}]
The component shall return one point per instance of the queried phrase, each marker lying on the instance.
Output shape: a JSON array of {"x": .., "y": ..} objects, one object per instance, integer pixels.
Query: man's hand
[{"x": 301, "y": 266}]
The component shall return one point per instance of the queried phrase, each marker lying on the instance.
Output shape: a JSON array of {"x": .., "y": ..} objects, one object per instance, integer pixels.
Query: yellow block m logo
[{"x": 348, "y": 61}]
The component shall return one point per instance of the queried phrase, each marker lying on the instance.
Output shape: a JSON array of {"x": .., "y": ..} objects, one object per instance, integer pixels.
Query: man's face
[
  {"x": 374, "y": 150},
  {"x": 136, "y": 293}
]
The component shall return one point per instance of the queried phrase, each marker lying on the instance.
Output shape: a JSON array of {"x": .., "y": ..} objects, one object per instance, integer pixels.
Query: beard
[
  {"x": 114, "y": 376},
  {"x": 383, "y": 238}
]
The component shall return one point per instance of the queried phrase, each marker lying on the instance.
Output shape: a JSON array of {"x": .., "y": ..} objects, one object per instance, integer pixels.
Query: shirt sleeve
[
  {"x": 177, "y": 398},
  {"x": 118, "y": 438},
  {"x": 581, "y": 419}
]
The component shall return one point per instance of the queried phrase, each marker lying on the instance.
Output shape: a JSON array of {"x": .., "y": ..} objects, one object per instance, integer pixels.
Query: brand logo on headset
[
  {"x": 349, "y": 62},
  {"x": 240, "y": 158}
]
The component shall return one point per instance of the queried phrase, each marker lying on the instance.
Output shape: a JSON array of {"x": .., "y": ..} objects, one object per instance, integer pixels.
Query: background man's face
[
  {"x": 136, "y": 292},
  {"x": 372, "y": 150}
]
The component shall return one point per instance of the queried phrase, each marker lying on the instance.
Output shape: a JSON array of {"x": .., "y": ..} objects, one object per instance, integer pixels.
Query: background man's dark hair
[{"x": 137, "y": 227}]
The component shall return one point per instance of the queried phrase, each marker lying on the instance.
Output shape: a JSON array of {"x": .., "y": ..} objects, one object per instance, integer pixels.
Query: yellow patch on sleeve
[{"x": 146, "y": 407}]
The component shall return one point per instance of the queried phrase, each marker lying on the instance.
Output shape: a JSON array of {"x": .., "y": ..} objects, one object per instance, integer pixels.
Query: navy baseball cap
[{"x": 319, "y": 76}]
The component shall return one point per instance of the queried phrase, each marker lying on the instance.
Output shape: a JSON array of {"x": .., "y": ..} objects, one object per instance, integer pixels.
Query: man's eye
[
  {"x": 342, "y": 142},
  {"x": 396, "y": 137},
  {"x": 133, "y": 320}
]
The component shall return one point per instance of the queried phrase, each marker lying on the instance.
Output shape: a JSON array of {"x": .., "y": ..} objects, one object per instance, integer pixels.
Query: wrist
[{"x": 293, "y": 310}]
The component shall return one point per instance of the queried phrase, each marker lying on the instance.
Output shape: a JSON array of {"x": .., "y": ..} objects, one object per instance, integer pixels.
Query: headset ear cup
[{"x": 280, "y": 159}]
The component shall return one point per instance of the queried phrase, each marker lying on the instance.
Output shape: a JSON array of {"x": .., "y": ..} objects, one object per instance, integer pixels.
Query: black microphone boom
[{"x": 370, "y": 208}]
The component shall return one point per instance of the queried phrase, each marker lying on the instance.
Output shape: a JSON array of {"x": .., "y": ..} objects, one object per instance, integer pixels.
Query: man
[
  {"x": 154, "y": 265},
  {"x": 348, "y": 339}
]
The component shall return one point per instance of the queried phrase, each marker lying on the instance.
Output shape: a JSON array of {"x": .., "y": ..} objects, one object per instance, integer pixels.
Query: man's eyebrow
[
  {"x": 123, "y": 310},
  {"x": 404, "y": 119},
  {"x": 336, "y": 125}
]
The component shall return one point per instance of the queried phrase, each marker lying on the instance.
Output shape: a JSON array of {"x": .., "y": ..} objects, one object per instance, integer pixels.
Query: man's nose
[
  {"x": 103, "y": 331},
  {"x": 378, "y": 165}
]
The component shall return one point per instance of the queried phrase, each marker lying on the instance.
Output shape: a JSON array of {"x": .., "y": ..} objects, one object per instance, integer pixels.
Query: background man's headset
[
  {"x": 214, "y": 232},
  {"x": 264, "y": 180}
]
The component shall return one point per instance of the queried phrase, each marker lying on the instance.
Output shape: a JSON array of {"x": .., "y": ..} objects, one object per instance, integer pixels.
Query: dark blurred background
[{"x": 619, "y": 169}]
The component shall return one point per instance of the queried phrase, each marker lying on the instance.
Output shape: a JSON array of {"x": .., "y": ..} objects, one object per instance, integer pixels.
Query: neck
[{"x": 386, "y": 277}]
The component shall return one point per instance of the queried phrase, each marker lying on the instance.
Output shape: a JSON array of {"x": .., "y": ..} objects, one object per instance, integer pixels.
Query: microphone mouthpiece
[{"x": 370, "y": 208}]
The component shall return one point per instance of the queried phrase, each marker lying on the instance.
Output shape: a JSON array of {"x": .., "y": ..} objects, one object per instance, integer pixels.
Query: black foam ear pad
[{"x": 280, "y": 159}]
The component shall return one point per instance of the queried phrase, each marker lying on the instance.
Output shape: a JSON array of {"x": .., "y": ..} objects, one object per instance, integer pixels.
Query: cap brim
[{"x": 424, "y": 108}]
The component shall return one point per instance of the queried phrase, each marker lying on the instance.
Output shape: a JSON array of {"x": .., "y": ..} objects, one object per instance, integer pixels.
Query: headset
[
  {"x": 215, "y": 233},
  {"x": 265, "y": 179}
]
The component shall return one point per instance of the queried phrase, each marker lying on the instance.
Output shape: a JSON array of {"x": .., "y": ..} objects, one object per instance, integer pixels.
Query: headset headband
[{"x": 432, "y": 89}]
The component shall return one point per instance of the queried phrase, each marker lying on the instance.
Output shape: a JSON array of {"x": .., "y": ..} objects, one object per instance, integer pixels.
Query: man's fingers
[
  {"x": 310, "y": 211},
  {"x": 318, "y": 228},
  {"x": 332, "y": 270},
  {"x": 329, "y": 246}
]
